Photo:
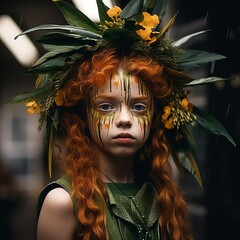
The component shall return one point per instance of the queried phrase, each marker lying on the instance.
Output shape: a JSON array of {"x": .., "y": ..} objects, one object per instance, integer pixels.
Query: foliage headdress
[{"x": 136, "y": 28}]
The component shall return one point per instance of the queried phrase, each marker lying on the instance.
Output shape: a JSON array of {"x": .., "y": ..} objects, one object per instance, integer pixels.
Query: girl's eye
[
  {"x": 105, "y": 107},
  {"x": 139, "y": 107}
]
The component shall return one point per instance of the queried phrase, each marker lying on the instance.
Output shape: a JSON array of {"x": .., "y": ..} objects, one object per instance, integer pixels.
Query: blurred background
[{"x": 215, "y": 209}]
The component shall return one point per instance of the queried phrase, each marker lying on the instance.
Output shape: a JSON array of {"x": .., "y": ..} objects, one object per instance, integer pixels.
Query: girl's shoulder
[
  {"x": 56, "y": 218},
  {"x": 58, "y": 198},
  {"x": 57, "y": 192}
]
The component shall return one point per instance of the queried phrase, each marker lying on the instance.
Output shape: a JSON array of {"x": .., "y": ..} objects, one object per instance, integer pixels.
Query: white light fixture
[
  {"x": 22, "y": 48},
  {"x": 89, "y": 8}
]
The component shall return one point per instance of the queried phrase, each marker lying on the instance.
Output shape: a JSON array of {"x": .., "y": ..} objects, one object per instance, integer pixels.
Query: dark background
[{"x": 215, "y": 209}]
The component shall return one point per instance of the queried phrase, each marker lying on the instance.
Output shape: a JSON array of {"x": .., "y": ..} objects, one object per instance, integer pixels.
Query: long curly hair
[{"x": 80, "y": 160}]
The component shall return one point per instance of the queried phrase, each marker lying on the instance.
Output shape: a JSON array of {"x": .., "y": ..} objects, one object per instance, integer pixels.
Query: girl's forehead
[{"x": 123, "y": 83}]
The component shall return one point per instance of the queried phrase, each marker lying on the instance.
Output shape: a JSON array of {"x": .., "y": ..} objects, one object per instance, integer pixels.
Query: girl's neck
[
  {"x": 118, "y": 177},
  {"x": 119, "y": 170}
]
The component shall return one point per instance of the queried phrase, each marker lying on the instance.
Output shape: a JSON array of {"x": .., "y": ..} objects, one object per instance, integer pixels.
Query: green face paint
[{"x": 122, "y": 96}]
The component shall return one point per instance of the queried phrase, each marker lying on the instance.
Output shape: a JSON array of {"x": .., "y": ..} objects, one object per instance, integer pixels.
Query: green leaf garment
[{"x": 123, "y": 219}]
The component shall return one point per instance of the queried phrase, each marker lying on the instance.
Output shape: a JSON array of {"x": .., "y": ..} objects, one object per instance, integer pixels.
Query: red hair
[{"x": 81, "y": 164}]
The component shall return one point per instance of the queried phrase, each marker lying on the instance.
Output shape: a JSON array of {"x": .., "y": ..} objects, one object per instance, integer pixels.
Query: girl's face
[{"x": 120, "y": 115}]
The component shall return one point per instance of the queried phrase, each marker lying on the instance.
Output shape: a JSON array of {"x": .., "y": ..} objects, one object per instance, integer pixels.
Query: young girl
[
  {"x": 116, "y": 156},
  {"x": 114, "y": 93}
]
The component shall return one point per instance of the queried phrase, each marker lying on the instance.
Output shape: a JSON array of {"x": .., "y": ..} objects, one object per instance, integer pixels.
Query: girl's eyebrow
[
  {"x": 102, "y": 96},
  {"x": 142, "y": 97}
]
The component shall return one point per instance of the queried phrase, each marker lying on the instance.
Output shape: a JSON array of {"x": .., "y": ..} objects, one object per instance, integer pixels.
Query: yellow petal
[
  {"x": 144, "y": 33},
  {"x": 168, "y": 124},
  {"x": 31, "y": 111},
  {"x": 165, "y": 115},
  {"x": 167, "y": 109},
  {"x": 149, "y": 21},
  {"x": 114, "y": 12},
  {"x": 30, "y": 104},
  {"x": 33, "y": 107},
  {"x": 184, "y": 103},
  {"x": 153, "y": 39}
]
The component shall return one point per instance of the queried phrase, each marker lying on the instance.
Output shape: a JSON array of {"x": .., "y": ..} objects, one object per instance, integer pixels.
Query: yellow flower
[
  {"x": 33, "y": 107},
  {"x": 166, "y": 120},
  {"x": 59, "y": 98},
  {"x": 184, "y": 103},
  {"x": 114, "y": 12},
  {"x": 153, "y": 39},
  {"x": 167, "y": 111},
  {"x": 149, "y": 21},
  {"x": 144, "y": 33},
  {"x": 169, "y": 124}
]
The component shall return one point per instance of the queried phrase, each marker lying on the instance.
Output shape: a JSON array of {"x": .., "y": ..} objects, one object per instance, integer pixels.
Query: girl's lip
[
  {"x": 124, "y": 140},
  {"x": 123, "y": 136}
]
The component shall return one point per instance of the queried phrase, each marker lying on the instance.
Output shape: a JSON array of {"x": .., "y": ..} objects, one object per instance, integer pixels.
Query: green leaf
[
  {"x": 55, "y": 59},
  {"x": 72, "y": 29},
  {"x": 157, "y": 7},
  {"x": 185, "y": 155},
  {"x": 55, "y": 120},
  {"x": 211, "y": 124},
  {"x": 188, "y": 162},
  {"x": 51, "y": 65},
  {"x": 59, "y": 38},
  {"x": 134, "y": 7},
  {"x": 203, "y": 81},
  {"x": 52, "y": 129},
  {"x": 167, "y": 26},
  {"x": 27, "y": 96},
  {"x": 42, "y": 80},
  {"x": 102, "y": 10},
  {"x": 195, "y": 58},
  {"x": 76, "y": 18},
  {"x": 120, "y": 36},
  {"x": 63, "y": 51},
  {"x": 50, "y": 150},
  {"x": 54, "y": 52},
  {"x": 186, "y": 38},
  {"x": 179, "y": 77}
]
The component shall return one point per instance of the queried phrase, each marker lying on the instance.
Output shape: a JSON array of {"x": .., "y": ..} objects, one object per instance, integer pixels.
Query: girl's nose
[{"x": 123, "y": 118}]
